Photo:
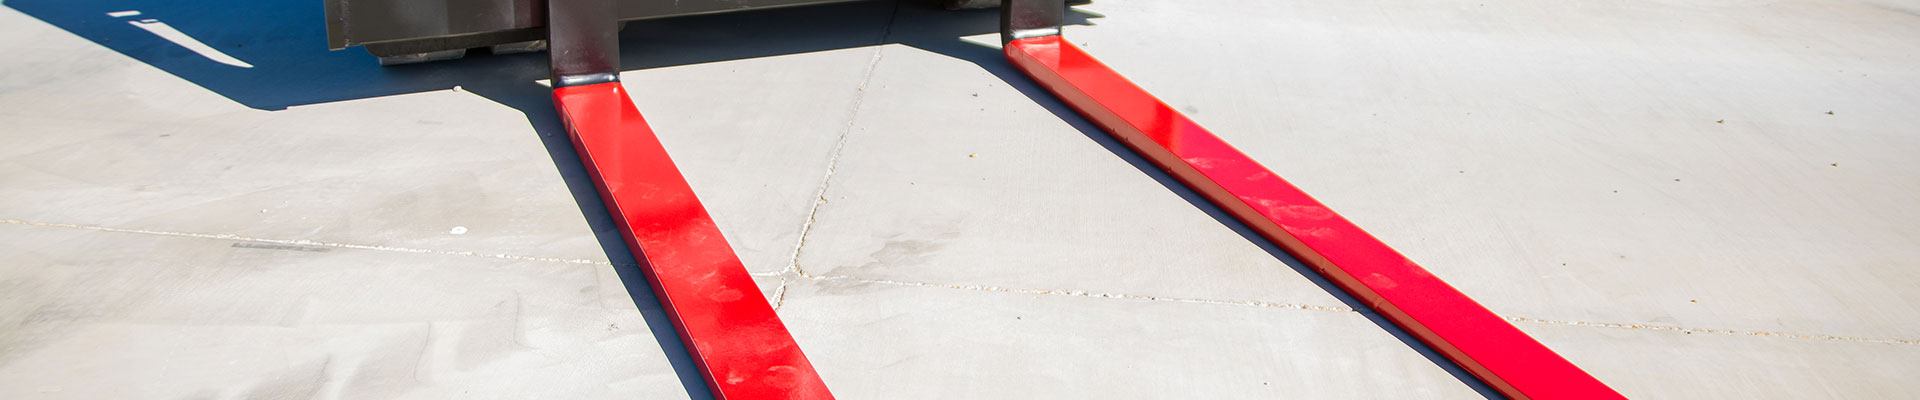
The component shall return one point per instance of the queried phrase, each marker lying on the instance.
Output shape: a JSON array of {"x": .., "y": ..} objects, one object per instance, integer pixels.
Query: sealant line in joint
[
  {"x": 780, "y": 292},
  {"x": 305, "y": 242},
  {"x": 1336, "y": 309},
  {"x": 840, "y": 144}
]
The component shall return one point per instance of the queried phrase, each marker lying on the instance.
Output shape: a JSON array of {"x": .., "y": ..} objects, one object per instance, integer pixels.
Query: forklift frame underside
[{"x": 402, "y": 27}]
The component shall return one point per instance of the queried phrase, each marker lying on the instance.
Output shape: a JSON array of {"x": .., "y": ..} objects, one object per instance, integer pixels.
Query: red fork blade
[
  {"x": 1482, "y": 343},
  {"x": 739, "y": 344}
]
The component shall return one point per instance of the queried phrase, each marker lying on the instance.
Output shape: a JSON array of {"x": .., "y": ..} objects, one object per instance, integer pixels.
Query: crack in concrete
[
  {"x": 780, "y": 292},
  {"x": 833, "y": 159},
  {"x": 780, "y": 295}
]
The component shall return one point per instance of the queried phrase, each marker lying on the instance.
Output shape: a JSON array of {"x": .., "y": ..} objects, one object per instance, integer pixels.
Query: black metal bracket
[
  {"x": 1021, "y": 19},
  {"x": 583, "y": 42}
]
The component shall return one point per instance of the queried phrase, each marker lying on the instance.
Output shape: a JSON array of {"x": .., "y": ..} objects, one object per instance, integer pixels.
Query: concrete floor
[{"x": 1688, "y": 198}]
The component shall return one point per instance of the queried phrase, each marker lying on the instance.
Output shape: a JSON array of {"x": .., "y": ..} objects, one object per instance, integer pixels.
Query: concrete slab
[
  {"x": 1654, "y": 188},
  {"x": 1651, "y": 162},
  {"x": 887, "y": 341},
  {"x": 103, "y": 314}
]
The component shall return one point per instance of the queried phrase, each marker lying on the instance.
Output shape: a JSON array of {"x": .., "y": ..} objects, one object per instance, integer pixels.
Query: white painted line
[
  {"x": 167, "y": 32},
  {"x": 123, "y": 14}
]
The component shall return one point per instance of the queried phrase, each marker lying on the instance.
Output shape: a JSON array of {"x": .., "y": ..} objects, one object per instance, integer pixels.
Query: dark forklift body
[
  {"x": 412, "y": 31},
  {"x": 738, "y": 342},
  {"x": 407, "y": 31}
]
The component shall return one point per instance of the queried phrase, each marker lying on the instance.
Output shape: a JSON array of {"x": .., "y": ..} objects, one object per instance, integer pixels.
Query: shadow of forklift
[{"x": 283, "y": 57}]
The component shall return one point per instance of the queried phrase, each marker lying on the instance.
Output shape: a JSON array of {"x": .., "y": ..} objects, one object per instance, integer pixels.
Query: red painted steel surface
[
  {"x": 741, "y": 347},
  {"x": 1483, "y": 343}
]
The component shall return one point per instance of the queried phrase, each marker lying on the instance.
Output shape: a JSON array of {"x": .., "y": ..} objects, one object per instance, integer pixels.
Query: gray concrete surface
[{"x": 1690, "y": 199}]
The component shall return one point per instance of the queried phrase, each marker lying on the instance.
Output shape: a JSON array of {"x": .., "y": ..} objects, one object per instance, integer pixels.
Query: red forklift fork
[
  {"x": 1460, "y": 329},
  {"x": 735, "y": 339}
]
